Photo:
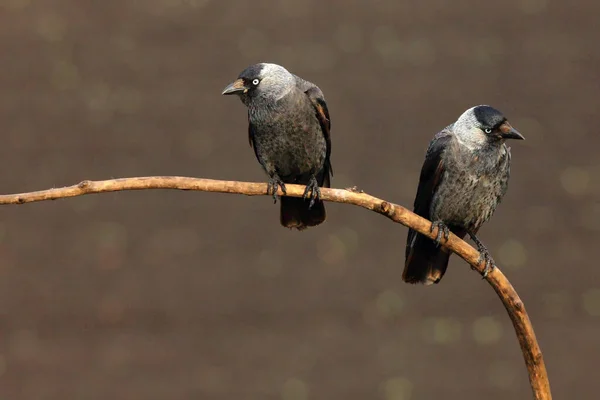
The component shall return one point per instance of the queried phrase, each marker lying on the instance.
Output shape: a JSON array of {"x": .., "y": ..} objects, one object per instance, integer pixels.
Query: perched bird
[
  {"x": 463, "y": 179},
  {"x": 288, "y": 127}
]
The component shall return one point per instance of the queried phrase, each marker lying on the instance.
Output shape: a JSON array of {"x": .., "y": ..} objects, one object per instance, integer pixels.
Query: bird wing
[
  {"x": 251, "y": 137},
  {"x": 431, "y": 177},
  {"x": 250, "y": 131},
  {"x": 317, "y": 99},
  {"x": 505, "y": 181}
]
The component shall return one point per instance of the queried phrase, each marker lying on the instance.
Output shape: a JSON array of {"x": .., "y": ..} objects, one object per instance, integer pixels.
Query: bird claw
[
  {"x": 442, "y": 230},
  {"x": 273, "y": 186},
  {"x": 312, "y": 191},
  {"x": 484, "y": 256},
  {"x": 490, "y": 264}
]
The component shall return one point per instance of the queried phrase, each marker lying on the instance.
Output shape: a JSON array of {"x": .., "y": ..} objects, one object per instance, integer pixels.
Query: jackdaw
[
  {"x": 463, "y": 179},
  {"x": 288, "y": 127}
]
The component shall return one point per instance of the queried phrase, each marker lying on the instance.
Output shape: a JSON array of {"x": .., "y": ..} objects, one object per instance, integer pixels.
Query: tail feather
[
  {"x": 426, "y": 262},
  {"x": 296, "y": 214}
]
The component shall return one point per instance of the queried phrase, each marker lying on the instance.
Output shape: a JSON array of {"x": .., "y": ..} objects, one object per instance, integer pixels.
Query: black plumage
[
  {"x": 463, "y": 179},
  {"x": 289, "y": 130}
]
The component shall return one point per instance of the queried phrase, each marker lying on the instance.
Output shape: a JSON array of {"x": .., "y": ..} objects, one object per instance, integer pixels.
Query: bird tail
[
  {"x": 296, "y": 214},
  {"x": 426, "y": 262}
]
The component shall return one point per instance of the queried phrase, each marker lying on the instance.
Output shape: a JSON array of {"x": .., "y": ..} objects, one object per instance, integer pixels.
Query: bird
[
  {"x": 463, "y": 179},
  {"x": 289, "y": 129}
]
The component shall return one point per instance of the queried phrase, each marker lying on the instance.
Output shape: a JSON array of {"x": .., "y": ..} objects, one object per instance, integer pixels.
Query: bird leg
[
  {"x": 442, "y": 229},
  {"x": 484, "y": 255},
  {"x": 313, "y": 189},
  {"x": 273, "y": 185}
]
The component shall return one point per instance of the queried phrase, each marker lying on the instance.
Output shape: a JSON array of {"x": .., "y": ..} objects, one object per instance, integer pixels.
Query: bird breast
[
  {"x": 290, "y": 138},
  {"x": 471, "y": 189}
]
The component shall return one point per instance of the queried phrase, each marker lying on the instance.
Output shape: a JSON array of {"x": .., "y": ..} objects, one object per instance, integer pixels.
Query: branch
[{"x": 534, "y": 360}]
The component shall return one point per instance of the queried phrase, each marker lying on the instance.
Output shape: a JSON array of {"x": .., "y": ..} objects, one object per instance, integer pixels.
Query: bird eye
[
  {"x": 488, "y": 130},
  {"x": 255, "y": 82}
]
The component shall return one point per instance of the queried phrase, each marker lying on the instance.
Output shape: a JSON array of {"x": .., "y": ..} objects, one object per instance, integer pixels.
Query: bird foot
[
  {"x": 490, "y": 264},
  {"x": 442, "y": 230},
  {"x": 273, "y": 186},
  {"x": 484, "y": 256},
  {"x": 312, "y": 192}
]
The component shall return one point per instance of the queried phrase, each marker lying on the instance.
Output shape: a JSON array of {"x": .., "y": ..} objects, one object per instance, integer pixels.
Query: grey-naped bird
[
  {"x": 288, "y": 127},
  {"x": 463, "y": 179}
]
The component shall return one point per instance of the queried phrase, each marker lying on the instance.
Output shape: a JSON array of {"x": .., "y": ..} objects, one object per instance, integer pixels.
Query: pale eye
[
  {"x": 255, "y": 82},
  {"x": 487, "y": 130}
]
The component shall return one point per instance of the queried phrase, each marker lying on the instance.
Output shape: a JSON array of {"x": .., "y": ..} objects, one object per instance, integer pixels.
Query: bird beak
[
  {"x": 508, "y": 132},
  {"x": 236, "y": 87}
]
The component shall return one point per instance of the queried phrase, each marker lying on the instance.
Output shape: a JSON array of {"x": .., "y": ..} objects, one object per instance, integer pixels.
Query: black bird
[
  {"x": 288, "y": 127},
  {"x": 463, "y": 179}
]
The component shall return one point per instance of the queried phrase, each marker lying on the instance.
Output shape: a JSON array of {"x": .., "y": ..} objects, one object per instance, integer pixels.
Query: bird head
[
  {"x": 483, "y": 124},
  {"x": 261, "y": 82}
]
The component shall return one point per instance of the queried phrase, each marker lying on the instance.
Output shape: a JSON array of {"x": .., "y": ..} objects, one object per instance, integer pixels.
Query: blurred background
[{"x": 188, "y": 295}]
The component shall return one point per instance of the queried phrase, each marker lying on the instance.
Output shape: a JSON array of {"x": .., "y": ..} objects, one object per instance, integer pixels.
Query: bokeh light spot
[
  {"x": 15, "y": 4},
  {"x": 389, "y": 304},
  {"x": 442, "y": 330},
  {"x": 124, "y": 43},
  {"x": 420, "y": 52},
  {"x": 589, "y": 216},
  {"x": 24, "y": 345},
  {"x": 127, "y": 100},
  {"x": 51, "y": 27},
  {"x": 318, "y": 57},
  {"x": 3, "y": 365},
  {"x": 487, "y": 330},
  {"x": 332, "y": 250},
  {"x": 350, "y": 238},
  {"x": 269, "y": 264},
  {"x": 575, "y": 180},
  {"x": 557, "y": 304},
  {"x": 386, "y": 43},
  {"x": 349, "y": 38},
  {"x": 512, "y": 254},
  {"x": 531, "y": 128},
  {"x": 397, "y": 389},
  {"x": 540, "y": 218},
  {"x": 110, "y": 310},
  {"x": 65, "y": 75},
  {"x": 533, "y": 6},
  {"x": 294, "y": 389},
  {"x": 252, "y": 43},
  {"x": 502, "y": 375},
  {"x": 198, "y": 145},
  {"x": 591, "y": 302},
  {"x": 294, "y": 8},
  {"x": 110, "y": 234},
  {"x": 195, "y": 3}
]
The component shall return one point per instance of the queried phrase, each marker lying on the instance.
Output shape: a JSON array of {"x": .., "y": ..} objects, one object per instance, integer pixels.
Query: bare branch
[{"x": 534, "y": 360}]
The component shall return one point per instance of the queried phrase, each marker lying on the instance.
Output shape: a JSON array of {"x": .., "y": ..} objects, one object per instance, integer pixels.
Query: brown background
[{"x": 184, "y": 295}]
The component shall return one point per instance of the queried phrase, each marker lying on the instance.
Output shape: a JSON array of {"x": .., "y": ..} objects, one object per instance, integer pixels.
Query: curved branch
[{"x": 534, "y": 360}]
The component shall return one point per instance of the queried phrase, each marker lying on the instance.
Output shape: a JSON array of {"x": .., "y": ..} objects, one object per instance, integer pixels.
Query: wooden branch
[{"x": 514, "y": 306}]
